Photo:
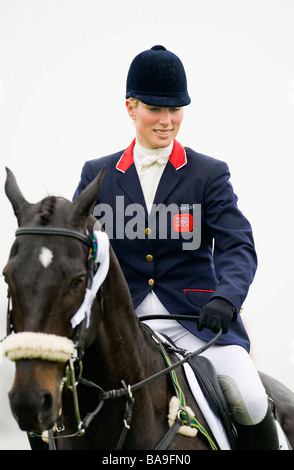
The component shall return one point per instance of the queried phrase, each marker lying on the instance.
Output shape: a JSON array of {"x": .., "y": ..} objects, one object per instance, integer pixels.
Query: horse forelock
[
  {"x": 52, "y": 210},
  {"x": 47, "y": 209}
]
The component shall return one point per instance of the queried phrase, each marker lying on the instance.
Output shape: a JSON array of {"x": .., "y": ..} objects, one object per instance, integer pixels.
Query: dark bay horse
[{"x": 48, "y": 272}]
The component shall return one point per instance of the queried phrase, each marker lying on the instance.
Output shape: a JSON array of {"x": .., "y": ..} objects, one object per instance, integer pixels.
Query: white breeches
[{"x": 237, "y": 374}]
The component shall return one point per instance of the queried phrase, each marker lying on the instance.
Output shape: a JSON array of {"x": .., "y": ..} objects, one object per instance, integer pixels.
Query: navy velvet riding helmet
[{"x": 157, "y": 77}]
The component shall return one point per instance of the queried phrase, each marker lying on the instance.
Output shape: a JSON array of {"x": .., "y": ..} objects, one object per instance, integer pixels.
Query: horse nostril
[{"x": 47, "y": 402}]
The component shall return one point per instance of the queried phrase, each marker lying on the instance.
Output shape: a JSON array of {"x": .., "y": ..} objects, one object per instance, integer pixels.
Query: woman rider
[{"x": 204, "y": 259}]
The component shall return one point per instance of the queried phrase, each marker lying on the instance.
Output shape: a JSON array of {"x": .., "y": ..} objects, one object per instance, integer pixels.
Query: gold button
[
  {"x": 149, "y": 258},
  {"x": 147, "y": 231},
  {"x": 151, "y": 282}
]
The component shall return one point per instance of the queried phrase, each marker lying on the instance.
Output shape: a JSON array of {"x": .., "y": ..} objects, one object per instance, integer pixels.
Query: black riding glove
[{"x": 218, "y": 313}]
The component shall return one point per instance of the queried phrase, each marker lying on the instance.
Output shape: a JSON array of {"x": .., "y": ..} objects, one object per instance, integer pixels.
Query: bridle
[
  {"x": 54, "y": 231},
  {"x": 73, "y": 374},
  {"x": 79, "y": 334}
]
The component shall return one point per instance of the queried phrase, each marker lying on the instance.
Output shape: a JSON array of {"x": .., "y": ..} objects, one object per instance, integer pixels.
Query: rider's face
[{"x": 155, "y": 126}]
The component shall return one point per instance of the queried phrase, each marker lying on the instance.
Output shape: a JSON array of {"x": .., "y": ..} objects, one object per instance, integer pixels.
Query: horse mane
[{"x": 47, "y": 208}]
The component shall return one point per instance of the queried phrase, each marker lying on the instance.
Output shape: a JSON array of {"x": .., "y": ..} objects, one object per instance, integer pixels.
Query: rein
[
  {"x": 71, "y": 382},
  {"x": 80, "y": 321}
]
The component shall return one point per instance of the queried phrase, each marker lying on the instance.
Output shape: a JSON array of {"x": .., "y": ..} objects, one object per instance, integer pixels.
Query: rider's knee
[{"x": 246, "y": 410}]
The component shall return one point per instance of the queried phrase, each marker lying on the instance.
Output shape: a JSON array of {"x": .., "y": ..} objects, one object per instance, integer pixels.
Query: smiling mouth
[{"x": 163, "y": 132}]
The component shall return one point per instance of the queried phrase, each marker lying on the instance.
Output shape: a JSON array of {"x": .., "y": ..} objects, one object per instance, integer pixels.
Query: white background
[{"x": 63, "y": 65}]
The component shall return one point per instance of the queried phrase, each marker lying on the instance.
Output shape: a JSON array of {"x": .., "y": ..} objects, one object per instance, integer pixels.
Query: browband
[{"x": 53, "y": 231}]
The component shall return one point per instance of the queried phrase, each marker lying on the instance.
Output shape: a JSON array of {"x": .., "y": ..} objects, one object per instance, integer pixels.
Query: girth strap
[{"x": 170, "y": 435}]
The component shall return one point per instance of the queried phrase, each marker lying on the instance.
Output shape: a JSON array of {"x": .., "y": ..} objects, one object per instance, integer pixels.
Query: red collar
[{"x": 177, "y": 158}]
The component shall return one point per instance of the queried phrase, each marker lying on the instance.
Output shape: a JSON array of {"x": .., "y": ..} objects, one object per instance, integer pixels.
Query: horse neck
[{"x": 121, "y": 345}]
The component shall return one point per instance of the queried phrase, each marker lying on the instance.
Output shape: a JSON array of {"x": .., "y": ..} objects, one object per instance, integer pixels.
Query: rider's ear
[{"x": 131, "y": 108}]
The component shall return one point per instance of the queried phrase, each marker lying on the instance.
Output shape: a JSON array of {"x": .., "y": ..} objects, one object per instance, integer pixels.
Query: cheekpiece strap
[{"x": 100, "y": 256}]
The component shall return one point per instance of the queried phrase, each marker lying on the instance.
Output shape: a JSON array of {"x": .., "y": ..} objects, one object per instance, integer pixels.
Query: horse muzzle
[
  {"x": 33, "y": 408},
  {"x": 40, "y": 360}
]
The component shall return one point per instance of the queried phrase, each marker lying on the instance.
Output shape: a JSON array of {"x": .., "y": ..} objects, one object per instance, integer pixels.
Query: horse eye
[{"x": 78, "y": 283}]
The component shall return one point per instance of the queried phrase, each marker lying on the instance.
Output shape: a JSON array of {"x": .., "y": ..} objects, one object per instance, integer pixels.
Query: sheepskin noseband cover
[{"x": 30, "y": 345}]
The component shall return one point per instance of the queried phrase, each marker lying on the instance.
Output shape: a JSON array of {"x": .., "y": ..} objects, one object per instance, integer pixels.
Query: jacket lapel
[
  {"x": 169, "y": 180},
  {"x": 128, "y": 180},
  {"x": 130, "y": 184},
  {"x": 171, "y": 176}
]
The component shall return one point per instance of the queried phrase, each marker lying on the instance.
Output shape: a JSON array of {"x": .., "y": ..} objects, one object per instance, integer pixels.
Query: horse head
[{"x": 47, "y": 278}]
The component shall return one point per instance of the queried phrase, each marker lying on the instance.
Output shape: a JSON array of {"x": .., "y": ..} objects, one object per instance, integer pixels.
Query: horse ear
[
  {"x": 86, "y": 200},
  {"x": 14, "y": 195}
]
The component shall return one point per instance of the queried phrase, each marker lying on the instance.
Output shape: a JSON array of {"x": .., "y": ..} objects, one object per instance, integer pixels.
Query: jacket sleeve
[{"x": 234, "y": 256}]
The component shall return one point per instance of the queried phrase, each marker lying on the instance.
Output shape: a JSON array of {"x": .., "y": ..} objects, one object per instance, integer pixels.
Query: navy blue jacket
[{"x": 194, "y": 199}]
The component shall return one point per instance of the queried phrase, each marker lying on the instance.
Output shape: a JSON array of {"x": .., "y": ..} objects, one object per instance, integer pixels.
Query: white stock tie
[
  {"x": 145, "y": 158},
  {"x": 150, "y": 164}
]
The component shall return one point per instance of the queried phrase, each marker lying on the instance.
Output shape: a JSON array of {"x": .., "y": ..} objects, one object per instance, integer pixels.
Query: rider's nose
[{"x": 165, "y": 118}]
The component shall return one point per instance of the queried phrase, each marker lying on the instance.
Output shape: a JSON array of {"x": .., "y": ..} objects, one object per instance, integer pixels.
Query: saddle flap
[{"x": 209, "y": 384}]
